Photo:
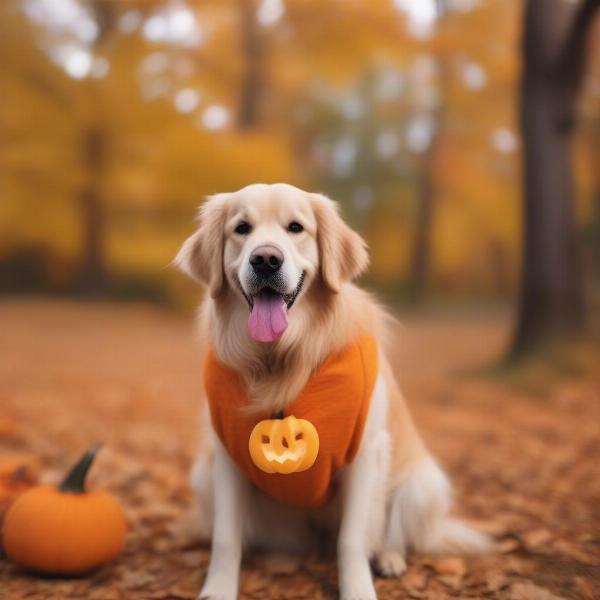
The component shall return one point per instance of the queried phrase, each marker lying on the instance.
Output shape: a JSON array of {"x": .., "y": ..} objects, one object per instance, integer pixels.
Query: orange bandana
[{"x": 335, "y": 400}]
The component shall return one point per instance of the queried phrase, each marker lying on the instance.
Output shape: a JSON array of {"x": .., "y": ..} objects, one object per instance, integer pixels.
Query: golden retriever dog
[{"x": 278, "y": 264}]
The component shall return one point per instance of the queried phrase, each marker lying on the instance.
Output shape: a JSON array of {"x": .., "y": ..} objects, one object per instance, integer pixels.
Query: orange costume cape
[{"x": 335, "y": 400}]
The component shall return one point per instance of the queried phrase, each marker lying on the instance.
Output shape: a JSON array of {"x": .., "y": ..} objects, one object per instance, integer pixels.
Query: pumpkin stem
[
  {"x": 279, "y": 415},
  {"x": 74, "y": 482}
]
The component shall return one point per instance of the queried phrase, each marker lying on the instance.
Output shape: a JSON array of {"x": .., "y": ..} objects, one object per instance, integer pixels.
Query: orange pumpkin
[
  {"x": 64, "y": 530},
  {"x": 284, "y": 445}
]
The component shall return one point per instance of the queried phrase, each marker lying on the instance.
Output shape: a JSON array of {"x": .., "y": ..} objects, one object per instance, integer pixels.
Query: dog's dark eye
[
  {"x": 243, "y": 228},
  {"x": 295, "y": 227}
]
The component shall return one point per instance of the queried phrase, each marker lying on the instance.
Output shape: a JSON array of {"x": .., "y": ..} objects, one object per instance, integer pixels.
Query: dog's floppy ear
[
  {"x": 201, "y": 256},
  {"x": 342, "y": 252}
]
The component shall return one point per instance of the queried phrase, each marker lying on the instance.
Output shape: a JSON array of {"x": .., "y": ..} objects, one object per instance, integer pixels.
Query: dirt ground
[{"x": 526, "y": 465}]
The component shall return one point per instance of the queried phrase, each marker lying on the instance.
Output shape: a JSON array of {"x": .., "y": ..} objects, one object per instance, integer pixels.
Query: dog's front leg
[
  {"x": 356, "y": 582},
  {"x": 230, "y": 498}
]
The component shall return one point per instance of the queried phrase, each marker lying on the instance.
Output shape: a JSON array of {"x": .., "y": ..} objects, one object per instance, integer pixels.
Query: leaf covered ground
[{"x": 526, "y": 464}]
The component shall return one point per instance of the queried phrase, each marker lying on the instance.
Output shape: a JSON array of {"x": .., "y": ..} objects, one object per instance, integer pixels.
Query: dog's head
[{"x": 269, "y": 244}]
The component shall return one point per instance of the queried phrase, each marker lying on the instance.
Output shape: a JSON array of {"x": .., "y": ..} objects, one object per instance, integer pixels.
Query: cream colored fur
[{"x": 393, "y": 497}]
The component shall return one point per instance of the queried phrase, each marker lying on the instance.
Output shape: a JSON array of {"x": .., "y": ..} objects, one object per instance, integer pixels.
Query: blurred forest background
[
  {"x": 117, "y": 117},
  {"x": 462, "y": 139}
]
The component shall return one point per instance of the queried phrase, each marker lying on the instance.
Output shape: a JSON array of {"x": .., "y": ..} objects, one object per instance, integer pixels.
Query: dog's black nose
[{"x": 266, "y": 260}]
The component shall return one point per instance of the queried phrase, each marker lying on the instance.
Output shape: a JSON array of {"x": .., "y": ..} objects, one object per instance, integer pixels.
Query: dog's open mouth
[{"x": 268, "y": 312}]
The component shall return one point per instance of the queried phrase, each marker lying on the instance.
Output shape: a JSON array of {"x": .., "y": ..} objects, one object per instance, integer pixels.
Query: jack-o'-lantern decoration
[{"x": 284, "y": 445}]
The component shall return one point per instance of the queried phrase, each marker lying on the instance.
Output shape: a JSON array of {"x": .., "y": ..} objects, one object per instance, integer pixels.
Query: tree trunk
[
  {"x": 420, "y": 266},
  {"x": 551, "y": 300},
  {"x": 420, "y": 261},
  {"x": 251, "y": 86},
  {"x": 93, "y": 276}
]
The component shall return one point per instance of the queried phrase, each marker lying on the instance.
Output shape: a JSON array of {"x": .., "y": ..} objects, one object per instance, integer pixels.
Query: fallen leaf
[
  {"x": 525, "y": 590},
  {"x": 450, "y": 566},
  {"x": 536, "y": 538}
]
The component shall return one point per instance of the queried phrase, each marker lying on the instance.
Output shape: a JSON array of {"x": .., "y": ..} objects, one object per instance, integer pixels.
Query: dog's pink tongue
[{"x": 268, "y": 319}]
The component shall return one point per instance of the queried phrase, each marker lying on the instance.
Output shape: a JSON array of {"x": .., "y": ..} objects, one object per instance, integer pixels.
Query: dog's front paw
[
  {"x": 390, "y": 563},
  {"x": 214, "y": 596},
  {"x": 358, "y": 588},
  {"x": 359, "y": 595},
  {"x": 218, "y": 590},
  {"x": 356, "y": 581}
]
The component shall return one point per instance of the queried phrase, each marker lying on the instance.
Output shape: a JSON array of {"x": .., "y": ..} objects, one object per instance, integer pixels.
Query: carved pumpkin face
[{"x": 284, "y": 446}]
